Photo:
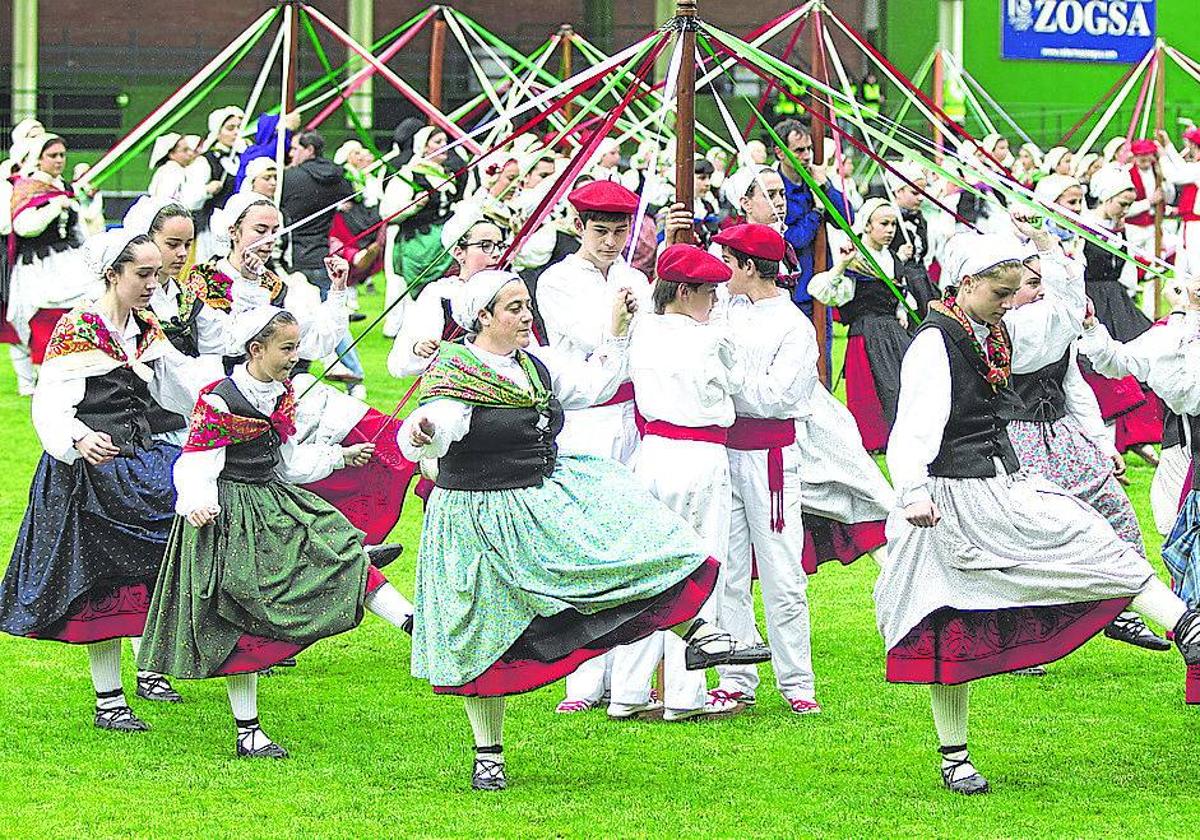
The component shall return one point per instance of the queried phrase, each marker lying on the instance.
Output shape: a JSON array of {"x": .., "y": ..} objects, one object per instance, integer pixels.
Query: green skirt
[
  {"x": 420, "y": 259},
  {"x": 280, "y": 566},
  {"x": 525, "y": 584}
]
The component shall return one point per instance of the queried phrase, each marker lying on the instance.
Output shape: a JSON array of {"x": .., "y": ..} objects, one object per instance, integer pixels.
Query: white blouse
[
  {"x": 684, "y": 372},
  {"x": 1041, "y": 332},
  {"x": 423, "y": 320},
  {"x": 576, "y": 302},
  {"x": 322, "y": 326},
  {"x": 174, "y": 383},
  {"x": 196, "y": 472},
  {"x": 577, "y": 385},
  {"x": 212, "y": 326},
  {"x": 1175, "y": 374}
]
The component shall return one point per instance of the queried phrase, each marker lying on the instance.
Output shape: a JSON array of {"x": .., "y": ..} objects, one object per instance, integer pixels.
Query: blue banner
[{"x": 1077, "y": 30}]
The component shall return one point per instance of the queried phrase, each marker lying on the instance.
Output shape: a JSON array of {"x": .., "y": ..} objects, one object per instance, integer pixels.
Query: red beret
[
  {"x": 604, "y": 197},
  {"x": 1192, "y": 134},
  {"x": 689, "y": 264},
  {"x": 760, "y": 241},
  {"x": 1143, "y": 147}
]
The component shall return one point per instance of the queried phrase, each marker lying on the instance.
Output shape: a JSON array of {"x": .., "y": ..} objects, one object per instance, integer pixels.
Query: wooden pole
[
  {"x": 939, "y": 94},
  {"x": 820, "y": 245},
  {"x": 289, "y": 97},
  {"x": 685, "y": 108},
  {"x": 566, "y": 34},
  {"x": 1160, "y": 79},
  {"x": 437, "y": 55}
]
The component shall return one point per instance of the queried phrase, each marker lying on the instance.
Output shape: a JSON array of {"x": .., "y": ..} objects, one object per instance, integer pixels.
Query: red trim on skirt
[
  {"x": 8, "y": 333},
  {"x": 41, "y": 327},
  {"x": 370, "y": 496},
  {"x": 504, "y": 678},
  {"x": 838, "y": 541},
  {"x": 1115, "y": 396},
  {"x": 861, "y": 397},
  {"x": 953, "y": 646},
  {"x": 1142, "y": 425},
  {"x": 98, "y": 617}
]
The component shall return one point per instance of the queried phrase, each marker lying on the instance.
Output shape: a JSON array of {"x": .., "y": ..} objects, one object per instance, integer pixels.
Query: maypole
[
  {"x": 685, "y": 107},
  {"x": 566, "y": 40},
  {"x": 1160, "y": 107},
  {"x": 437, "y": 56},
  {"x": 820, "y": 245}
]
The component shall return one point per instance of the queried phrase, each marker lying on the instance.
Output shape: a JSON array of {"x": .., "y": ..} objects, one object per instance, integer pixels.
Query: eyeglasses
[{"x": 488, "y": 246}]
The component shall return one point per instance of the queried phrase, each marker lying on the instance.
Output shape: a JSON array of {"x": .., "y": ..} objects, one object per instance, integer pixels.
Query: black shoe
[
  {"x": 1187, "y": 637},
  {"x": 488, "y": 775},
  {"x": 1129, "y": 628},
  {"x": 408, "y": 625},
  {"x": 382, "y": 555},
  {"x": 730, "y": 652},
  {"x": 969, "y": 785},
  {"x": 290, "y": 662},
  {"x": 120, "y": 719},
  {"x": 1031, "y": 671},
  {"x": 355, "y": 317},
  {"x": 156, "y": 687},
  {"x": 246, "y": 733}
]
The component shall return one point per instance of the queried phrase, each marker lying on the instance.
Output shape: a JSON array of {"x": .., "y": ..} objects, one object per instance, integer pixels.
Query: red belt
[
  {"x": 752, "y": 434},
  {"x": 705, "y": 434},
  {"x": 624, "y": 394}
]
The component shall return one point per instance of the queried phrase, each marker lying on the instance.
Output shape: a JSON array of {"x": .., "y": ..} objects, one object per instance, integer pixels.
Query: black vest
[
  {"x": 182, "y": 332},
  {"x": 51, "y": 239},
  {"x": 117, "y": 404},
  {"x": 872, "y": 297},
  {"x": 218, "y": 173},
  {"x": 506, "y": 448},
  {"x": 254, "y": 461},
  {"x": 1039, "y": 396},
  {"x": 975, "y": 433},
  {"x": 1194, "y": 427}
]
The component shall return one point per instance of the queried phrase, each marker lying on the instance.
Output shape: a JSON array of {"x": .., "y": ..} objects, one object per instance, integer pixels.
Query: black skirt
[
  {"x": 1116, "y": 310},
  {"x": 885, "y": 341}
]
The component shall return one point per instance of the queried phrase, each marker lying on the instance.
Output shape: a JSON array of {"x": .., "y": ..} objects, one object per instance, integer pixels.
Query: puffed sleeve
[
  {"x": 1175, "y": 376},
  {"x": 1082, "y": 405},
  {"x": 1042, "y": 331},
  {"x": 304, "y": 463},
  {"x": 54, "y": 406},
  {"x": 585, "y": 384},
  {"x": 422, "y": 321},
  {"x": 195, "y": 473},
  {"x": 921, "y": 416},
  {"x": 34, "y": 221},
  {"x": 451, "y": 422}
]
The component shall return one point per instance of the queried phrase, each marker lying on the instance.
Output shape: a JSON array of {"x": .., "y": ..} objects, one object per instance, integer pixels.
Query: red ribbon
[
  {"x": 624, "y": 394},
  {"x": 704, "y": 434},
  {"x": 751, "y": 434}
]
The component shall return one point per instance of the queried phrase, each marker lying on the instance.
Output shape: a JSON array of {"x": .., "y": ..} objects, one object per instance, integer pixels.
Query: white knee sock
[
  {"x": 1159, "y": 604},
  {"x": 487, "y": 723},
  {"x": 104, "y": 658},
  {"x": 950, "y": 713},
  {"x": 243, "y": 696},
  {"x": 387, "y": 603}
]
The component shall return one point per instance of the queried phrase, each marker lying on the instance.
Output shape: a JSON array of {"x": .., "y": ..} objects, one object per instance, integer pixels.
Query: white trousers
[
  {"x": 781, "y": 577},
  {"x": 692, "y": 479}
]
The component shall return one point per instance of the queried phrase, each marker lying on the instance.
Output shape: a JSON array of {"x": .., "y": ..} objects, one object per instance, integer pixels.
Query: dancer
[
  {"x": 533, "y": 561},
  {"x": 879, "y": 322},
  {"x": 684, "y": 371},
  {"x": 282, "y": 568},
  {"x": 977, "y": 544},
  {"x": 217, "y": 168},
  {"x": 99, "y": 507}
]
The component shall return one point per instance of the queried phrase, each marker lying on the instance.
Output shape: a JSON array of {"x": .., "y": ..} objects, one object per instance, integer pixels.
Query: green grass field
[{"x": 1102, "y": 746}]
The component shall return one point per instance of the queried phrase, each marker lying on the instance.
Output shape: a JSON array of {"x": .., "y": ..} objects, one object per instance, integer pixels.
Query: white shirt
[
  {"x": 186, "y": 186},
  {"x": 196, "y": 472},
  {"x": 423, "y": 320},
  {"x": 212, "y": 326},
  {"x": 1041, "y": 332},
  {"x": 684, "y": 372},
  {"x": 777, "y": 348},
  {"x": 322, "y": 325},
  {"x": 173, "y": 384},
  {"x": 576, "y": 302},
  {"x": 1174, "y": 373},
  {"x": 1147, "y": 175},
  {"x": 576, "y": 385}
]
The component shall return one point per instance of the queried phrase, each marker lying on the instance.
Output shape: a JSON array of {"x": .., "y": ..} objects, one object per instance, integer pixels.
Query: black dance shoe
[
  {"x": 157, "y": 688},
  {"x": 1129, "y": 628},
  {"x": 1187, "y": 637},
  {"x": 245, "y": 736},
  {"x": 972, "y": 785},
  {"x": 382, "y": 555},
  {"x": 700, "y": 653},
  {"x": 488, "y": 775},
  {"x": 120, "y": 719}
]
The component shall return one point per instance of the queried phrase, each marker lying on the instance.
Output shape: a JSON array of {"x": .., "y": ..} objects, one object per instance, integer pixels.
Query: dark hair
[
  {"x": 282, "y": 318},
  {"x": 127, "y": 254},
  {"x": 312, "y": 140},
  {"x": 466, "y": 237},
  {"x": 586, "y": 216},
  {"x": 665, "y": 292},
  {"x": 786, "y": 128},
  {"x": 704, "y": 167},
  {"x": 171, "y": 211},
  {"x": 238, "y": 221},
  {"x": 767, "y": 269}
]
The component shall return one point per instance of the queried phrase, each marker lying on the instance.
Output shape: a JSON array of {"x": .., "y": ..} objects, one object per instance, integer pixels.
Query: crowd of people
[{"x": 623, "y": 417}]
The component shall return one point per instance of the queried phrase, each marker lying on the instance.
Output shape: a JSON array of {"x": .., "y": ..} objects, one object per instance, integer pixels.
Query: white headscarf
[
  {"x": 217, "y": 119},
  {"x": 141, "y": 215},
  {"x": 342, "y": 155},
  {"x": 911, "y": 170},
  {"x": 34, "y": 147},
  {"x": 1112, "y": 147},
  {"x": 250, "y": 322},
  {"x": 102, "y": 250},
  {"x": 1110, "y": 182},
  {"x": 1051, "y": 188},
  {"x": 235, "y": 206},
  {"x": 477, "y": 294},
  {"x": 466, "y": 215},
  {"x": 255, "y": 169},
  {"x": 979, "y": 253},
  {"x": 163, "y": 145},
  {"x": 1052, "y": 157},
  {"x": 869, "y": 208},
  {"x": 737, "y": 185}
]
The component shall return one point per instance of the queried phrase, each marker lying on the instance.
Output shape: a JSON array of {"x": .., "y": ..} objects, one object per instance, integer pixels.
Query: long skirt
[
  {"x": 845, "y": 498},
  {"x": 1134, "y": 411},
  {"x": 1181, "y": 555},
  {"x": 517, "y": 588},
  {"x": 1062, "y": 454},
  {"x": 873, "y": 355},
  {"x": 371, "y": 496},
  {"x": 1017, "y": 573},
  {"x": 89, "y": 547},
  {"x": 279, "y": 570},
  {"x": 1116, "y": 310}
]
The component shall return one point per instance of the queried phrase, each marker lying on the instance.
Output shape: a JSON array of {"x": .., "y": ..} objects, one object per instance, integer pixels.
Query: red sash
[
  {"x": 704, "y": 434},
  {"x": 624, "y": 394},
  {"x": 1187, "y": 203},
  {"x": 749, "y": 434}
]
